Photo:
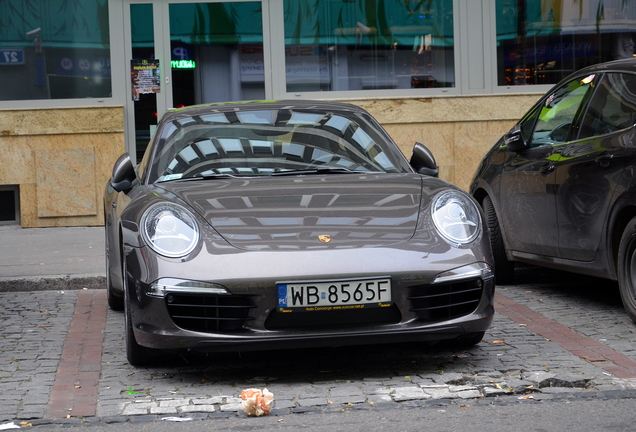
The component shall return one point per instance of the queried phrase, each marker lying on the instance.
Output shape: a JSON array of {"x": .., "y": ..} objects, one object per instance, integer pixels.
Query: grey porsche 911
[{"x": 272, "y": 225}]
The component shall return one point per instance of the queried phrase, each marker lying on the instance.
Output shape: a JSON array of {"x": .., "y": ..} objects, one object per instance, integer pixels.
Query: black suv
[{"x": 559, "y": 189}]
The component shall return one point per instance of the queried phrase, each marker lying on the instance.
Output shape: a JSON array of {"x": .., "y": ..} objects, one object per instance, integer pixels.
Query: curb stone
[
  {"x": 423, "y": 404},
  {"x": 53, "y": 283}
]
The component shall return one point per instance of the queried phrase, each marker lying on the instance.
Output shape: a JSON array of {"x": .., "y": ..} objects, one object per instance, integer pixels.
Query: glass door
[
  {"x": 146, "y": 82},
  {"x": 185, "y": 53}
]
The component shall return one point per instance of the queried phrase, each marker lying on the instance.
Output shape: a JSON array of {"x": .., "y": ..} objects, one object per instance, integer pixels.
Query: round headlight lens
[
  {"x": 170, "y": 230},
  {"x": 456, "y": 217}
]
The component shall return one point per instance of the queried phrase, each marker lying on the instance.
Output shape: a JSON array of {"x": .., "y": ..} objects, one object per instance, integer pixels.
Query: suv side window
[
  {"x": 558, "y": 111},
  {"x": 613, "y": 106}
]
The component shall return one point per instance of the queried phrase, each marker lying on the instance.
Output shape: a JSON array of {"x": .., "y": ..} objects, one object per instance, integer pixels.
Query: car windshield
[{"x": 284, "y": 141}]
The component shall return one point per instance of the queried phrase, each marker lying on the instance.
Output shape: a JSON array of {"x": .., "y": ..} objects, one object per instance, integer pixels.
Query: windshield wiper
[
  {"x": 322, "y": 170},
  {"x": 201, "y": 177}
]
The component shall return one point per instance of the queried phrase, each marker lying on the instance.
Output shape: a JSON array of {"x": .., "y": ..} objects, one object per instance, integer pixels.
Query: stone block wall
[{"x": 61, "y": 159}]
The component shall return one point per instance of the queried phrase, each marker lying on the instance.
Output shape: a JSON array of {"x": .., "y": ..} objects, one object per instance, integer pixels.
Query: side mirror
[
  {"x": 423, "y": 161},
  {"x": 123, "y": 173},
  {"x": 514, "y": 139}
]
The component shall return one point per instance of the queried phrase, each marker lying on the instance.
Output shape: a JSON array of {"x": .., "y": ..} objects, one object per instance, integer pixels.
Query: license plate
[{"x": 335, "y": 295}]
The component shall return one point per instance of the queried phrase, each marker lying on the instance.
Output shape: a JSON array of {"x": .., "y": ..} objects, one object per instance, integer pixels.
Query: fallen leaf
[{"x": 497, "y": 342}]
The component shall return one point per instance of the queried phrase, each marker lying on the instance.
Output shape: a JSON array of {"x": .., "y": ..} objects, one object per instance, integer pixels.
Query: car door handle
[
  {"x": 546, "y": 169},
  {"x": 604, "y": 160}
]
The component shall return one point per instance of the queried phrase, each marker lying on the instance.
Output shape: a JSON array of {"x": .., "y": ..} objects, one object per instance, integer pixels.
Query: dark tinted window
[
  {"x": 558, "y": 111},
  {"x": 613, "y": 106}
]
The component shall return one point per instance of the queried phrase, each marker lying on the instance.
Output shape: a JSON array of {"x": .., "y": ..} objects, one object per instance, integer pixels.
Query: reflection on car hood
[{"x": 294, "y": 212}]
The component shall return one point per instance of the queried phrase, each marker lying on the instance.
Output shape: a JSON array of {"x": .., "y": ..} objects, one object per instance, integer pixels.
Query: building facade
[{"x": 83, "y": 81}]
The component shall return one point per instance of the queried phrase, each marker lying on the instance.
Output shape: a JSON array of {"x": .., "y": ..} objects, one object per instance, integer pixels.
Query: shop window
[
  {"x": 217, "y": 52},
  {"x": 335, "y": 45},
  {"x": 54, "y": 49},
  {"x": 542, "y": 42}
]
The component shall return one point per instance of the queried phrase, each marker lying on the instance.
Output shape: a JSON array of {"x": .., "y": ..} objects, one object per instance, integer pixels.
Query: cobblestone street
[{"x": 555, "y": 335}]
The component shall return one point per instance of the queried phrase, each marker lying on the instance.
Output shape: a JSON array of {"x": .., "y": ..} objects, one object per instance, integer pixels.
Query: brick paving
[
  {"x": 578, "y": 344},
  {"x": 75, "y": 389},
  {"x": 554, "y": 336}
]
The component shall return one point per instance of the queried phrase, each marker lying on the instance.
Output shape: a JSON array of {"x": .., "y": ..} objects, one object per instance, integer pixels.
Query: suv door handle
[{"x": 546, "y": 169}]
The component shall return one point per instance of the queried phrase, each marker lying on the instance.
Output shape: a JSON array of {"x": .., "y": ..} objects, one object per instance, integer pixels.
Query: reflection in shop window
[
  {"x": 54, "y": 49},
  {"x": 541, "y": 42},
  {"x": 223, "y": 44},
  {"x": 339, "y": 45}
]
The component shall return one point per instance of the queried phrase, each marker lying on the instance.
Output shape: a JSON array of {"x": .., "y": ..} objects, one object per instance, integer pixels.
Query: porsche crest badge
[{"x": 324, "y": 238}]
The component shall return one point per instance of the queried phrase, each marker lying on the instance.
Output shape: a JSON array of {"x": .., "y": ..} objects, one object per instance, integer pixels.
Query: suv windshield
[{"x": 270, "y": 142}]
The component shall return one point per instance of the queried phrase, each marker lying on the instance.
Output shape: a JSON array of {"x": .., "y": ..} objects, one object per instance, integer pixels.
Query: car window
[
  {"x": 558, "y": 111},
  {"x": 266, "y": 142},
  {"x": 612, "y": 107}
]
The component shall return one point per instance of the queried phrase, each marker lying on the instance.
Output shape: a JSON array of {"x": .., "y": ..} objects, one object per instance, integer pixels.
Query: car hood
[{"x": 307, "y": 212}]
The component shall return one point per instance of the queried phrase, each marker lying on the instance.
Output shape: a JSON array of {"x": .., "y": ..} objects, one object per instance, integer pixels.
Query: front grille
[
  {"x": 447, "y": 300},
  {"x": 209, "y": 313}
]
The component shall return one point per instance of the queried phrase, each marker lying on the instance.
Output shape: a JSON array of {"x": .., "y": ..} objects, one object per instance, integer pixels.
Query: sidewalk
[{"x": 59, "y": 258}]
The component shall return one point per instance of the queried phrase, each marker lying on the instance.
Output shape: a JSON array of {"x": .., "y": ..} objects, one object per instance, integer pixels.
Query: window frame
[
  {"x": 491, "y": 27},
  {"x": 117, "y": 98},
  {"x": 279, "y": 76}
]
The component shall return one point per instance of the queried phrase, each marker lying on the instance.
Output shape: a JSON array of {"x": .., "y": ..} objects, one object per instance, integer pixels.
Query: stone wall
[{"x": 61, "y": 159}]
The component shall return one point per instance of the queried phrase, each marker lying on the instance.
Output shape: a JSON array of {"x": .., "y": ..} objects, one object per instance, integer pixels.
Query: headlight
[
  {"x": 170, "y": 230},
  {"x": 456, "y": 217}
]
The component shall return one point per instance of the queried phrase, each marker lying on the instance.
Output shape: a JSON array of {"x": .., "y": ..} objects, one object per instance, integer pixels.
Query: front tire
[
  {"x": 469, "y": 340},
  {"x": 115, "y": 302},
  {"x": 504, "y": 269},
  {"x": 627, "y": 268},
  {"x": 135, "y": 353}
]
